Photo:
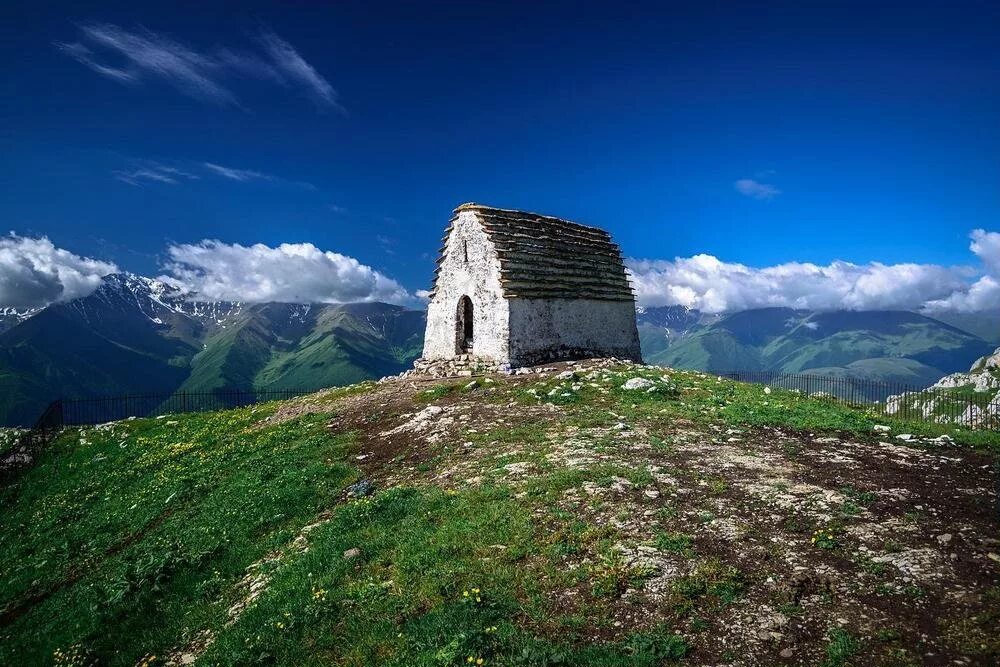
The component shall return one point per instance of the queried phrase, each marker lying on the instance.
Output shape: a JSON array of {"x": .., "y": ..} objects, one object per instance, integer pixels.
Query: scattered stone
[
  {"x": 360, "y": 489},
  {"x": 881, "y": 428},
  {"x": 472, "y": 385},
  {"x": 787, "y": 652},
  {"x": 519, "y": 468},
  {"x": 352, "y": 553},
  {"x": 637, "y": 383},
  {"x": 944, "y": 538}
]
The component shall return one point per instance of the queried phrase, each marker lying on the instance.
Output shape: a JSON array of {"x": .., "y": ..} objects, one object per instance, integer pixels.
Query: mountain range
[
  {"x": 139, "y": 335},
  {"x": 889, "y": 346},
  {"x": 135, "y": 334}
]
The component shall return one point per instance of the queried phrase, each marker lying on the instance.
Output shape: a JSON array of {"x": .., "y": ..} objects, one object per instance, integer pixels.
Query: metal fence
[
  {"x": 85, "y": 411},
  {"x": 899, "y": 400},
  {"x": 101, "y": 409}
]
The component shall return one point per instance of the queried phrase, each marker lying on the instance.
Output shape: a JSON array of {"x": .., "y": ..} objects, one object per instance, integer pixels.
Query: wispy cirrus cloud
[
  {"x": 141, "y": 172},
  {"x": 295, "y": 69},
  {"x": 203, "y": 75},
  {"x": 248, "y": 175},
  {"x": 150, "y": 171},
  {"x": 756, "y": 189},
  {"x": 242, "y": 175}
]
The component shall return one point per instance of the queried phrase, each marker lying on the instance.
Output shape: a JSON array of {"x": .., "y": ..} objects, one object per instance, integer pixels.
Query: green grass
[
  {"x": 126, "y": 542},
  {"x": 840, "y": 648},
  {"x": 674, "y": 543},
  {"x": 706, "y": 398},
  {"x": 120, "y": 538},
  {"x": 746, "y": 404}
]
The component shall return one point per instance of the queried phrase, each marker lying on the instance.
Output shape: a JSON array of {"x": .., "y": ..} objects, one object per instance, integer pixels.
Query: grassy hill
[{"x": 525, "y": 520}]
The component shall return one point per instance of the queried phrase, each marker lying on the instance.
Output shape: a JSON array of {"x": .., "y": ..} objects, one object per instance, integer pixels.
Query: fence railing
[
  {"x": 98, "y": 410},
  {"x": 101, "y": 409},
  {"x": 894, "y": 399}
]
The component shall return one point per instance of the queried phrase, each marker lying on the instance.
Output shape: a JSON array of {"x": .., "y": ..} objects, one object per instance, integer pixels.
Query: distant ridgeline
[
  {"x": 884, "y": 346},
  {"x": 138, "y": 335}
]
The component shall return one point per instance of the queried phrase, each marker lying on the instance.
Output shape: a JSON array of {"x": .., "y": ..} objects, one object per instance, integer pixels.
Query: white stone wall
[
  {"x": 544, "y": 329},
  {"x": 479, "y": 279}
]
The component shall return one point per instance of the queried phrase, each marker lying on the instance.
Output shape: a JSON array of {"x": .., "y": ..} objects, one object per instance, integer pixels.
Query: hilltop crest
[{"x": 591, "y": 513}]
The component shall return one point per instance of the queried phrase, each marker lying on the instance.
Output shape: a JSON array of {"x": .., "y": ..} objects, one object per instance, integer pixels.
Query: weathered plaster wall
[
  {"x": 545, "y": 329},
  {"x": 479, "y": 279}
]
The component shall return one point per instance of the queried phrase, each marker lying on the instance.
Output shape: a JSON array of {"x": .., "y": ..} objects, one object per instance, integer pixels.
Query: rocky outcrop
[
  {"x": 944, "y": 404},
  {"x": 983, "y": 376}
]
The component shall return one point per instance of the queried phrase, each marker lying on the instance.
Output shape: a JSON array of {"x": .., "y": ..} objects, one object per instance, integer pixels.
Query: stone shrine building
[{"x": 520, "y": 288}]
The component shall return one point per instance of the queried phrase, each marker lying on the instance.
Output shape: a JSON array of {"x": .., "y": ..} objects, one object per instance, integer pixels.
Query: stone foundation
[
  {"x": 467, "y": 365},
  {"x": 462, "y": 365}
]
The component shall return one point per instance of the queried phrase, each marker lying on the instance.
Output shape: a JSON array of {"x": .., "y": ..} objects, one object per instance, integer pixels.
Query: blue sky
[{"x": 759, "y": 134}]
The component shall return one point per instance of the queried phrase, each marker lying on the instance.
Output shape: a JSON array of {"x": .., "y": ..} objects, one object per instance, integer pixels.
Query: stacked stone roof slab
[{"x": 542, "y": 257}]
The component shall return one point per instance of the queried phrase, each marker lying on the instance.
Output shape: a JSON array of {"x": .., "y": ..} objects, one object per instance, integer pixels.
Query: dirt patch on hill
[{"x": 761, "y": 545}]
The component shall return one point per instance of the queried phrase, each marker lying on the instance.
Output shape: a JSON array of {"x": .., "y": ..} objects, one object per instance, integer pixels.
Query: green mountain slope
[
  {"x": 986, "y": 325},
  {"x": 133, "y": 335},
  {"x": 288, "y": 346},
  {"x": 893, "y": 346},
  {"x": 94, "y": 346}
]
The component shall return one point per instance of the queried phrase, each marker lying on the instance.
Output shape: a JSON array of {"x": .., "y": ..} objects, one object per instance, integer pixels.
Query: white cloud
[
  {"x": 709, "y": 284},
  {"x": 756, "y": 189},
  {"x": 986, "y": 246},
  {"x": 291, "y": 272},
  {"x": 35, "y": 273},
  {"x": 237, "y": 174},
  {"x": 984, "y": 293},
  {"x": 206, "y": 76}
]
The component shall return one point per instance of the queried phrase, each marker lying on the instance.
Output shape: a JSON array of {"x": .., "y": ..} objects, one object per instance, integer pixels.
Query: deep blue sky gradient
[{"x": 879, "y": 123}]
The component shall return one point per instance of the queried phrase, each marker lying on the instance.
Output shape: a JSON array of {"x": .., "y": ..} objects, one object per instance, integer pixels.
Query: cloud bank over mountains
[
  {"x": 711, "y": 285},
  {"x": 34, "y": 272},
  {"x": 292, "y": 272}
]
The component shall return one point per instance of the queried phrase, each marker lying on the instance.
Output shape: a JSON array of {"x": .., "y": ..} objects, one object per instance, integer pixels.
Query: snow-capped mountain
[
  {"x": 676, "y": 320},
  {"x": 138, "y": 334},
  {"x": 156, "y": 299},
  {"x": 11, "y": 317}
]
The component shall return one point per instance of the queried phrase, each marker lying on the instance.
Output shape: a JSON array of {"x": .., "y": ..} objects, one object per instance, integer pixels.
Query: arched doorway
[{"x": 463, "y": 326}]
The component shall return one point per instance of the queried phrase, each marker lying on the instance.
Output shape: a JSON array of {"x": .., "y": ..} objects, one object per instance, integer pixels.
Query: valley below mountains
[{"x": 137, "y": 335}]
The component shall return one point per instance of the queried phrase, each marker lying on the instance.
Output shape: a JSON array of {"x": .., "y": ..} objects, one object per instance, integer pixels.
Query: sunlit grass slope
[{"x": 228, "y": 536}]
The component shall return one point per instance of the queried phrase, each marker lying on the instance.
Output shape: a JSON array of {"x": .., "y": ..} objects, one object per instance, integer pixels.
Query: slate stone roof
[{"x": 542, "y": 257}]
